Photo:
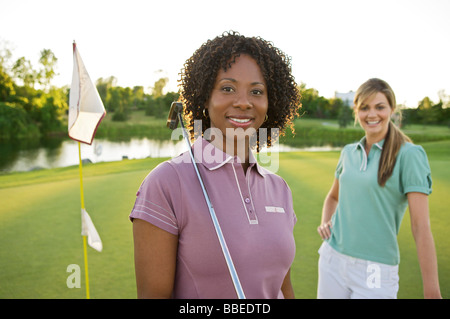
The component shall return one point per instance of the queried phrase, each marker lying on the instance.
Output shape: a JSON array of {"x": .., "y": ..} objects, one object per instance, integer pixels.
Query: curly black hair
[{"x": 200, "y": 71}]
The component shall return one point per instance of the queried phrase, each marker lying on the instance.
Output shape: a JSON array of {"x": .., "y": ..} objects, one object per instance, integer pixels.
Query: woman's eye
[
  {"x": 257, "y": 92},
  {"x": 227, "y": 89}
]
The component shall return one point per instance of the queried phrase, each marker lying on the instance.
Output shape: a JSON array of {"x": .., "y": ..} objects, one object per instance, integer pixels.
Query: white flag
[
  {"x": 86, "y": 109},
  {"x": 88, "y": 229}
]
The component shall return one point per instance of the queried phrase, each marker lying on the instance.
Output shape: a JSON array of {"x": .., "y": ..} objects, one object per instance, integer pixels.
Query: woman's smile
[{"x": 240, "y": 122}]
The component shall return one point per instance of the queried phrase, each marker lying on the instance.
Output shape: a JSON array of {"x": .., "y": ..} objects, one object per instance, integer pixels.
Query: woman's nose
[
  {"x": 372, "y": 112},
  {"x": 242, "y": 101}
]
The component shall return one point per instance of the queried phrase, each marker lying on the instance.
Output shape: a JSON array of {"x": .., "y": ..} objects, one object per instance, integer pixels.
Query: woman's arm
[
  {"x": 286, "y": 287},
  {"x": 155, "y": 253},
  {"x": 329, "y": 207},
  {"x": 426, "y": 252}
]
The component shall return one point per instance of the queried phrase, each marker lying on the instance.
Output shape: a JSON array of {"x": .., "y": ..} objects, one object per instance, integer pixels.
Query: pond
[{"x": 62, "y": 153}]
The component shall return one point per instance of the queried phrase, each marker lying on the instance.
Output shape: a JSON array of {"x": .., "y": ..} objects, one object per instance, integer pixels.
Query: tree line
[
  {"x": 121, "y": 101},
  {"x": 427, "y": 112},
  {"x": 30, "y": 106}
]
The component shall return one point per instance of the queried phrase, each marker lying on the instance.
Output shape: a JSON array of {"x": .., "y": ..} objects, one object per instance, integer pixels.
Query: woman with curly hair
[{"x": 235, "y": 86}]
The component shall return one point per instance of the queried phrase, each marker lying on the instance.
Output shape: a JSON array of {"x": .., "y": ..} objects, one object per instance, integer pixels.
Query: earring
[
  {"x": 266, "y": 118},
  {"x": 205, "y": 114}
]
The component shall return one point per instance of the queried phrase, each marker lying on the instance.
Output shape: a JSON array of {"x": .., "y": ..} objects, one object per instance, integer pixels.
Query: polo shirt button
[{"x": 247, "y": 200}]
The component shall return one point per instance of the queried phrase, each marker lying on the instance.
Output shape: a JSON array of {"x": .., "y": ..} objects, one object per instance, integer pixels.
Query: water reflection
[
  {"x": 63, "y": 152},
  {"x": 100, "y": 151}
]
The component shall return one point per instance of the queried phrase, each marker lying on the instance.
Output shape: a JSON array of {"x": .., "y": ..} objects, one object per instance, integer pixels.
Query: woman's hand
[
  {"x": 328, "y": 209},
  {"x": 324, "y": 230}
]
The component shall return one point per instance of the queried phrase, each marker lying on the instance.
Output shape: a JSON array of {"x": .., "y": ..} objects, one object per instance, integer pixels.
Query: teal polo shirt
[{"x": 368, "y": 216}]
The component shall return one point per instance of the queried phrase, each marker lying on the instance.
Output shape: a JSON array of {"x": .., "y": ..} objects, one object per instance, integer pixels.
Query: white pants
[{"x": 345, "y": 277}]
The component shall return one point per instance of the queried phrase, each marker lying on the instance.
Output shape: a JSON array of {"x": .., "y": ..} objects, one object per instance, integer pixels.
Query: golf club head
[{"x": 172, "y": 120}]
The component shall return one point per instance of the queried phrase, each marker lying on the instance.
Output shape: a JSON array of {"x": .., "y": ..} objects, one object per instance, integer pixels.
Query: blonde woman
[{"x": 375, "y": 180}]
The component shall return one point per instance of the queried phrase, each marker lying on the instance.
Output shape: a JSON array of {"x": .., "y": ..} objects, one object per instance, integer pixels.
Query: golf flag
[
  {"x": 86, "y": 109},
  {"x": 88, "y": 229}
]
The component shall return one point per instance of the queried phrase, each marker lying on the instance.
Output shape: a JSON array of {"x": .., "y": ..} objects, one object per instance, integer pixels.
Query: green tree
[
  {"x": 159, "y": 107},
  {"x": 114, "y": 100},
  {"x": 103, "y": 87},
  {"x": 48, "y": 61},
  {"x": 426, "y": 112},
  {"x": 314, "y": 105},
  {"x": 15, "y": 122},
  {"x": 120, "y": 101},
  {"x": 158, "y": 88},
  {"x": 344, "y": 116},
  {"x": 23, "y": 70},
  {"x": 138, "y": 97},
  {"x": 308, "y": 100},
  {"x": 31, "y": 111},
  {"x": 6, "y": 86},
  {"x": 52, "y": 108}
]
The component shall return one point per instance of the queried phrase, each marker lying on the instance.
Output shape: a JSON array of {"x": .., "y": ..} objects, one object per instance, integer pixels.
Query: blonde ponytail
[{"x": 393, "y": 141}]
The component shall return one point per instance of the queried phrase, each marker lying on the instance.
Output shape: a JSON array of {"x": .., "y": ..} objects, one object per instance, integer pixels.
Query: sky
[{"x": 334, "y": 45}]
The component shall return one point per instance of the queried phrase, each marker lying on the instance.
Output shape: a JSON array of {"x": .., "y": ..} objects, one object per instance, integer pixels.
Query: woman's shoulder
[
  {"x": 275, "y": 179},
  {"x": 172, "y": 165},
  {"x": 411, "y": 148},
  {"x": 159, "y": 175},
  {"x": 166, "y": 170},
  {"x": 350, "y": 147},
  {"x": 412, "y": 154}
]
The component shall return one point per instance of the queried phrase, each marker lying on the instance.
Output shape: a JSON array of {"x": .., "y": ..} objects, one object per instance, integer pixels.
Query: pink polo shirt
[{"x": 255, "y": 212}]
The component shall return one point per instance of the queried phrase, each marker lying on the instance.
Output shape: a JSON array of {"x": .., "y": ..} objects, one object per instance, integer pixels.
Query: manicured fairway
[{"x": 40, "y": 226}]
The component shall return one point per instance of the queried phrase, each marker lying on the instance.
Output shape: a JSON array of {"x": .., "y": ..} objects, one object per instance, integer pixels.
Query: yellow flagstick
[
  {"x": 86, "y": 267},
  {"x": 86, "y": 110},
  {"x": 84, "y": 237}
]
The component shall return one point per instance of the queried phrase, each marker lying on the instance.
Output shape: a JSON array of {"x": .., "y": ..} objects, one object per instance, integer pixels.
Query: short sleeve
[
  {"x": 155, "y": 199},
  {"x": 290, "y": 203},
  {"x": 415, "y": 171}
]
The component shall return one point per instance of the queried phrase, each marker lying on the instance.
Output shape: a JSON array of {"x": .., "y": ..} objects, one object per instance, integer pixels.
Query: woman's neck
[
  {"x": 370, "y": 140},
  {"x": 233, "y": 147}
]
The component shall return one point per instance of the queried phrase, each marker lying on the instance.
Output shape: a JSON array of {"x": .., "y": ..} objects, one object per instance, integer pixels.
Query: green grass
[{"x": 40, "y": 226}]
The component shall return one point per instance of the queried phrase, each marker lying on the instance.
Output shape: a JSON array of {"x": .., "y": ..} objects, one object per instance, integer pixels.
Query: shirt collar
[
  {"x": 362, "y": 143},
  {"x": 213, "y": 158}
]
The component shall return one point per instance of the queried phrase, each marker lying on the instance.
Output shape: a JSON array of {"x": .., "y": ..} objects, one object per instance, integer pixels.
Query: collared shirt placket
[{"x": 244, "y": 192}]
